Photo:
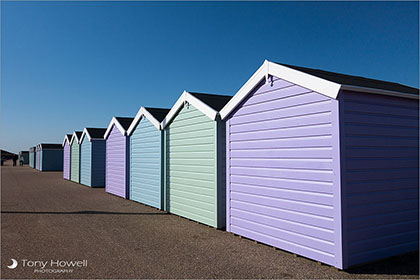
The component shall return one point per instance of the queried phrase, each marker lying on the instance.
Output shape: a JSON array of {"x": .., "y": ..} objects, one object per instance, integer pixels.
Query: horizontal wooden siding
[
  {"x": 98, "y": 163},
  {"x": 75, "y": 162},
  {"x": 52, "y": 160},
  {"x": 280, "y": 170},
  {"x": 190, "y": 162},
  {"x": 380, "y": 142},
  {"x": 146, "y": 164},
  {"x": 66, "y": 161},
  {"x": 116, "y": 153},
  {"x": 86, "y": 162}
]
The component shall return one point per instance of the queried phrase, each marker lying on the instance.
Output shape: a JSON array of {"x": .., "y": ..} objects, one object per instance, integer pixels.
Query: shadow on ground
[{"x": 407, "y": 264}]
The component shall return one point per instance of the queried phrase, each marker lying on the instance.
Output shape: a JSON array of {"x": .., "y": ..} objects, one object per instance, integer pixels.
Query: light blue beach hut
[
  {"x": 146, "y": 154},
  {"x": 92, "y": 157}
]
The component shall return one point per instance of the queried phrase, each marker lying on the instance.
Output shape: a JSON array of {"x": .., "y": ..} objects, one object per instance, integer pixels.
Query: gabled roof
[
  {"x": 47, "y": 146},
  {"x": 92, "y": 134},
  {"x": 154, "y": 115},
  {"x": 125, "y": 122},
  {"x": 323, "y": 82},
  {"x": 158, "y": 113},
  {"x": 208, "y": 104},
  {"x": 122, "y": 123},
  {"x": 215, "y": 101},
  {"x": 77, "y": 135},
  {"x": 358, "y": 81},
  {"x": 68, "y": 138}
]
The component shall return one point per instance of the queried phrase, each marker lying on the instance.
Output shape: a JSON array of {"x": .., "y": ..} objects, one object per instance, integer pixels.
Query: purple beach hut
[
  {"x": 324, "y": 165},
  {"x": 117, "y": 156}
]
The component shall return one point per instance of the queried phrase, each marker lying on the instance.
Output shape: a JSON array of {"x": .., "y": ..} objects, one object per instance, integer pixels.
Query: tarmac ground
[{"x": 47, "y": 221}]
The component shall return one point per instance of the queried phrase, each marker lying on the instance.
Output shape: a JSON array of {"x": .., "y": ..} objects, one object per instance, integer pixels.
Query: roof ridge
[
  {"x": 209, "y": 94},
  {"x": 355, "y": 77},
  {"x": 155, "y": 108}
]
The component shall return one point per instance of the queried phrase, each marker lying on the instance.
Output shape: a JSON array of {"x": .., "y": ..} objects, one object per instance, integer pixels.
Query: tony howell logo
[
  {"x": 13, "y": 265},
  {"x": 50, "y": 266}
]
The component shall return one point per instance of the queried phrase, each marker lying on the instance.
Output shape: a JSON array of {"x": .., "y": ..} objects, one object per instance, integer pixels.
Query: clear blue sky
[{"x": 68, "y": 65}]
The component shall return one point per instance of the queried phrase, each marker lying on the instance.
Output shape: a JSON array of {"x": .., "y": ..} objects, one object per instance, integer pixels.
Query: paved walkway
[{"x": 46, "y": 218}]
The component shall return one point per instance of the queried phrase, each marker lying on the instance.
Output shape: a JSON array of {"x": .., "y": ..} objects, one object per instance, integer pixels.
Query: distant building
[{"x": 24, "y": 156}]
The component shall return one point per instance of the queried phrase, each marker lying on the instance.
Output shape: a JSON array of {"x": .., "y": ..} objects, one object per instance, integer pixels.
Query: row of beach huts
[{"x": 321, "y": 164}]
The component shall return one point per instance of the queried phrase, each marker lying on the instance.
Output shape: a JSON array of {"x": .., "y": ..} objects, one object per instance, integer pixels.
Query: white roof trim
[
  {"x": 143, "y": 112},
  {"x": 243, "y": 92},
  {"x": 197, "y": 103},
  {"x": 379, "y": 91},
  {"x": 322, "y": 86},
  {"x": 311, "y": 82},
  {"x": 171, "y": 114},
  {"x": 308, "y": 81},
  {"x": 64, "y": 141},
  {"x": 85, "y": 132},
  {"x": 115, "y": 122},
  {"x": 72, "y": 137}
]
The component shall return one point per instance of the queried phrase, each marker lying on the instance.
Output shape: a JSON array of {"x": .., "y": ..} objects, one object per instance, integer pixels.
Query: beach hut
[
  {"x": 92, "y": 157},
  {"x": 195, "y": 158},
  {"x": 117, "y": 156},
  {"x": 146, "y": 146},
  {"x": 324, "y": 165},
  {"x": 24, "y": 157},
  {"x": 75, "y": 156},
  {"x": 66, "y": 156},
  {"x": 38, "y": 157},
  {"x": 32, "y": 156},
  {"x": 51, "y": 157}
]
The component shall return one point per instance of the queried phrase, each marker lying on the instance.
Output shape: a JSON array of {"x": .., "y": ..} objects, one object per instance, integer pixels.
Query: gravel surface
[{"x": 47, "y": 218}]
